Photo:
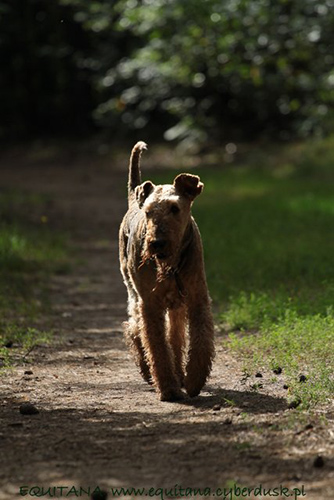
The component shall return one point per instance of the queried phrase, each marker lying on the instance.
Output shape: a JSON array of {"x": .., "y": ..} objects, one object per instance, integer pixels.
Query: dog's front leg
[
  {"x": 201, "y": 345},
  {"x": 158, "y": 351}
]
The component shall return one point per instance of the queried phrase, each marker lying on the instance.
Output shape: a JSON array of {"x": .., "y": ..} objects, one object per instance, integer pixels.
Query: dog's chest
[{"x": 170, "y": 294}]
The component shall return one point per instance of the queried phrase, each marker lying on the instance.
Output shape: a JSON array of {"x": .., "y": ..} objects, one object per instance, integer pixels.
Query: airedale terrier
[{"x": 170, "y": 327}]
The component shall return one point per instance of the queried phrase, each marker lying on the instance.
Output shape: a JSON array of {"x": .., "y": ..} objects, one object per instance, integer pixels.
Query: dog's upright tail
[{"x": 134, "y": 166}]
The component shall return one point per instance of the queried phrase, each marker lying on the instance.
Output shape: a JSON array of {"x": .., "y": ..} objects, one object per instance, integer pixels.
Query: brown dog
[{"x": 161, "y": 260}]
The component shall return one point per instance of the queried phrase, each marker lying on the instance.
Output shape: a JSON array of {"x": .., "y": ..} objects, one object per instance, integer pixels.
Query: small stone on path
[
  {"x": 28, "y": 409},
  {"x": 318, "y": 462}
]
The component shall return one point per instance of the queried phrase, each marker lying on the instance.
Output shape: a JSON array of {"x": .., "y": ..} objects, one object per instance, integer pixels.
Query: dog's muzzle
[{"x": 158, "y": 248}]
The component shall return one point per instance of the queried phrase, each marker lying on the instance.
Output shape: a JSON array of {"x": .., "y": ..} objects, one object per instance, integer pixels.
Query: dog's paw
[
  {"x": 192, "y": 389},
  {"x": 174, "y": 394}
]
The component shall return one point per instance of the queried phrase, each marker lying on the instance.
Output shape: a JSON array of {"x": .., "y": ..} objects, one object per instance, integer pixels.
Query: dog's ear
[
  {"x": 143, "y": 191},
  {"x": 188, "y": 185}
]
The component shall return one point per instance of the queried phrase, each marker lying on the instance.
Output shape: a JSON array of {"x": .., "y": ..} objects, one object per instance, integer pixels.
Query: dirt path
[{"x": 99, "y": 424}]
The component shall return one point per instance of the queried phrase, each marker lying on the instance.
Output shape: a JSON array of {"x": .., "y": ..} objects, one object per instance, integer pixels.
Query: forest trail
[{"x": 99, "y": 424}]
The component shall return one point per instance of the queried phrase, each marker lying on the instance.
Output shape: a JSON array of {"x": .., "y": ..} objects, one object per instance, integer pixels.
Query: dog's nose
[{"x": 158, "y": 244}]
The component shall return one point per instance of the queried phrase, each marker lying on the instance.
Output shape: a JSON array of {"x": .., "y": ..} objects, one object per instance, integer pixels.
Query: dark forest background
[{"x": 177, "y": 69}]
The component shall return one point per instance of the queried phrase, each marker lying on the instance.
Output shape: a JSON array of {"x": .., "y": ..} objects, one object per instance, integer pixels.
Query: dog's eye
[
  {"x": 149, "y": 213},
  {"x": 174, "y": 209}
]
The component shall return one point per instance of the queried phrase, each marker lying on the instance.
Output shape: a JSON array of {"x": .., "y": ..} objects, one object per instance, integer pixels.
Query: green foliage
[
  {"x": 191, "y": 70},
  {"x": 265, "y": 67}
]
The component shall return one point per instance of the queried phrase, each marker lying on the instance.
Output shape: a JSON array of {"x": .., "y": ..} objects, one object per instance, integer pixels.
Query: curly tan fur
[{"x": 170, "y": 327}]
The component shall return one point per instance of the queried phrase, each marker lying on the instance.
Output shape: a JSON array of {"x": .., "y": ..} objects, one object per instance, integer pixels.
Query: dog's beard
[{"x": 164, "y": 268}]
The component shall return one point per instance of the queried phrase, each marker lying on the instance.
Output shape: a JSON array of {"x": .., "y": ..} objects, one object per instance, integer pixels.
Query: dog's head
[{"x": 167, "y": 210}]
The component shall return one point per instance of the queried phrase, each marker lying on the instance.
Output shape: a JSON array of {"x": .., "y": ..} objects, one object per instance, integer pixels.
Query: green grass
[
  {"x": 300, "y": 345},
  {"x": 267, "y": 230},
  {"x": 29, "y": 252}
]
